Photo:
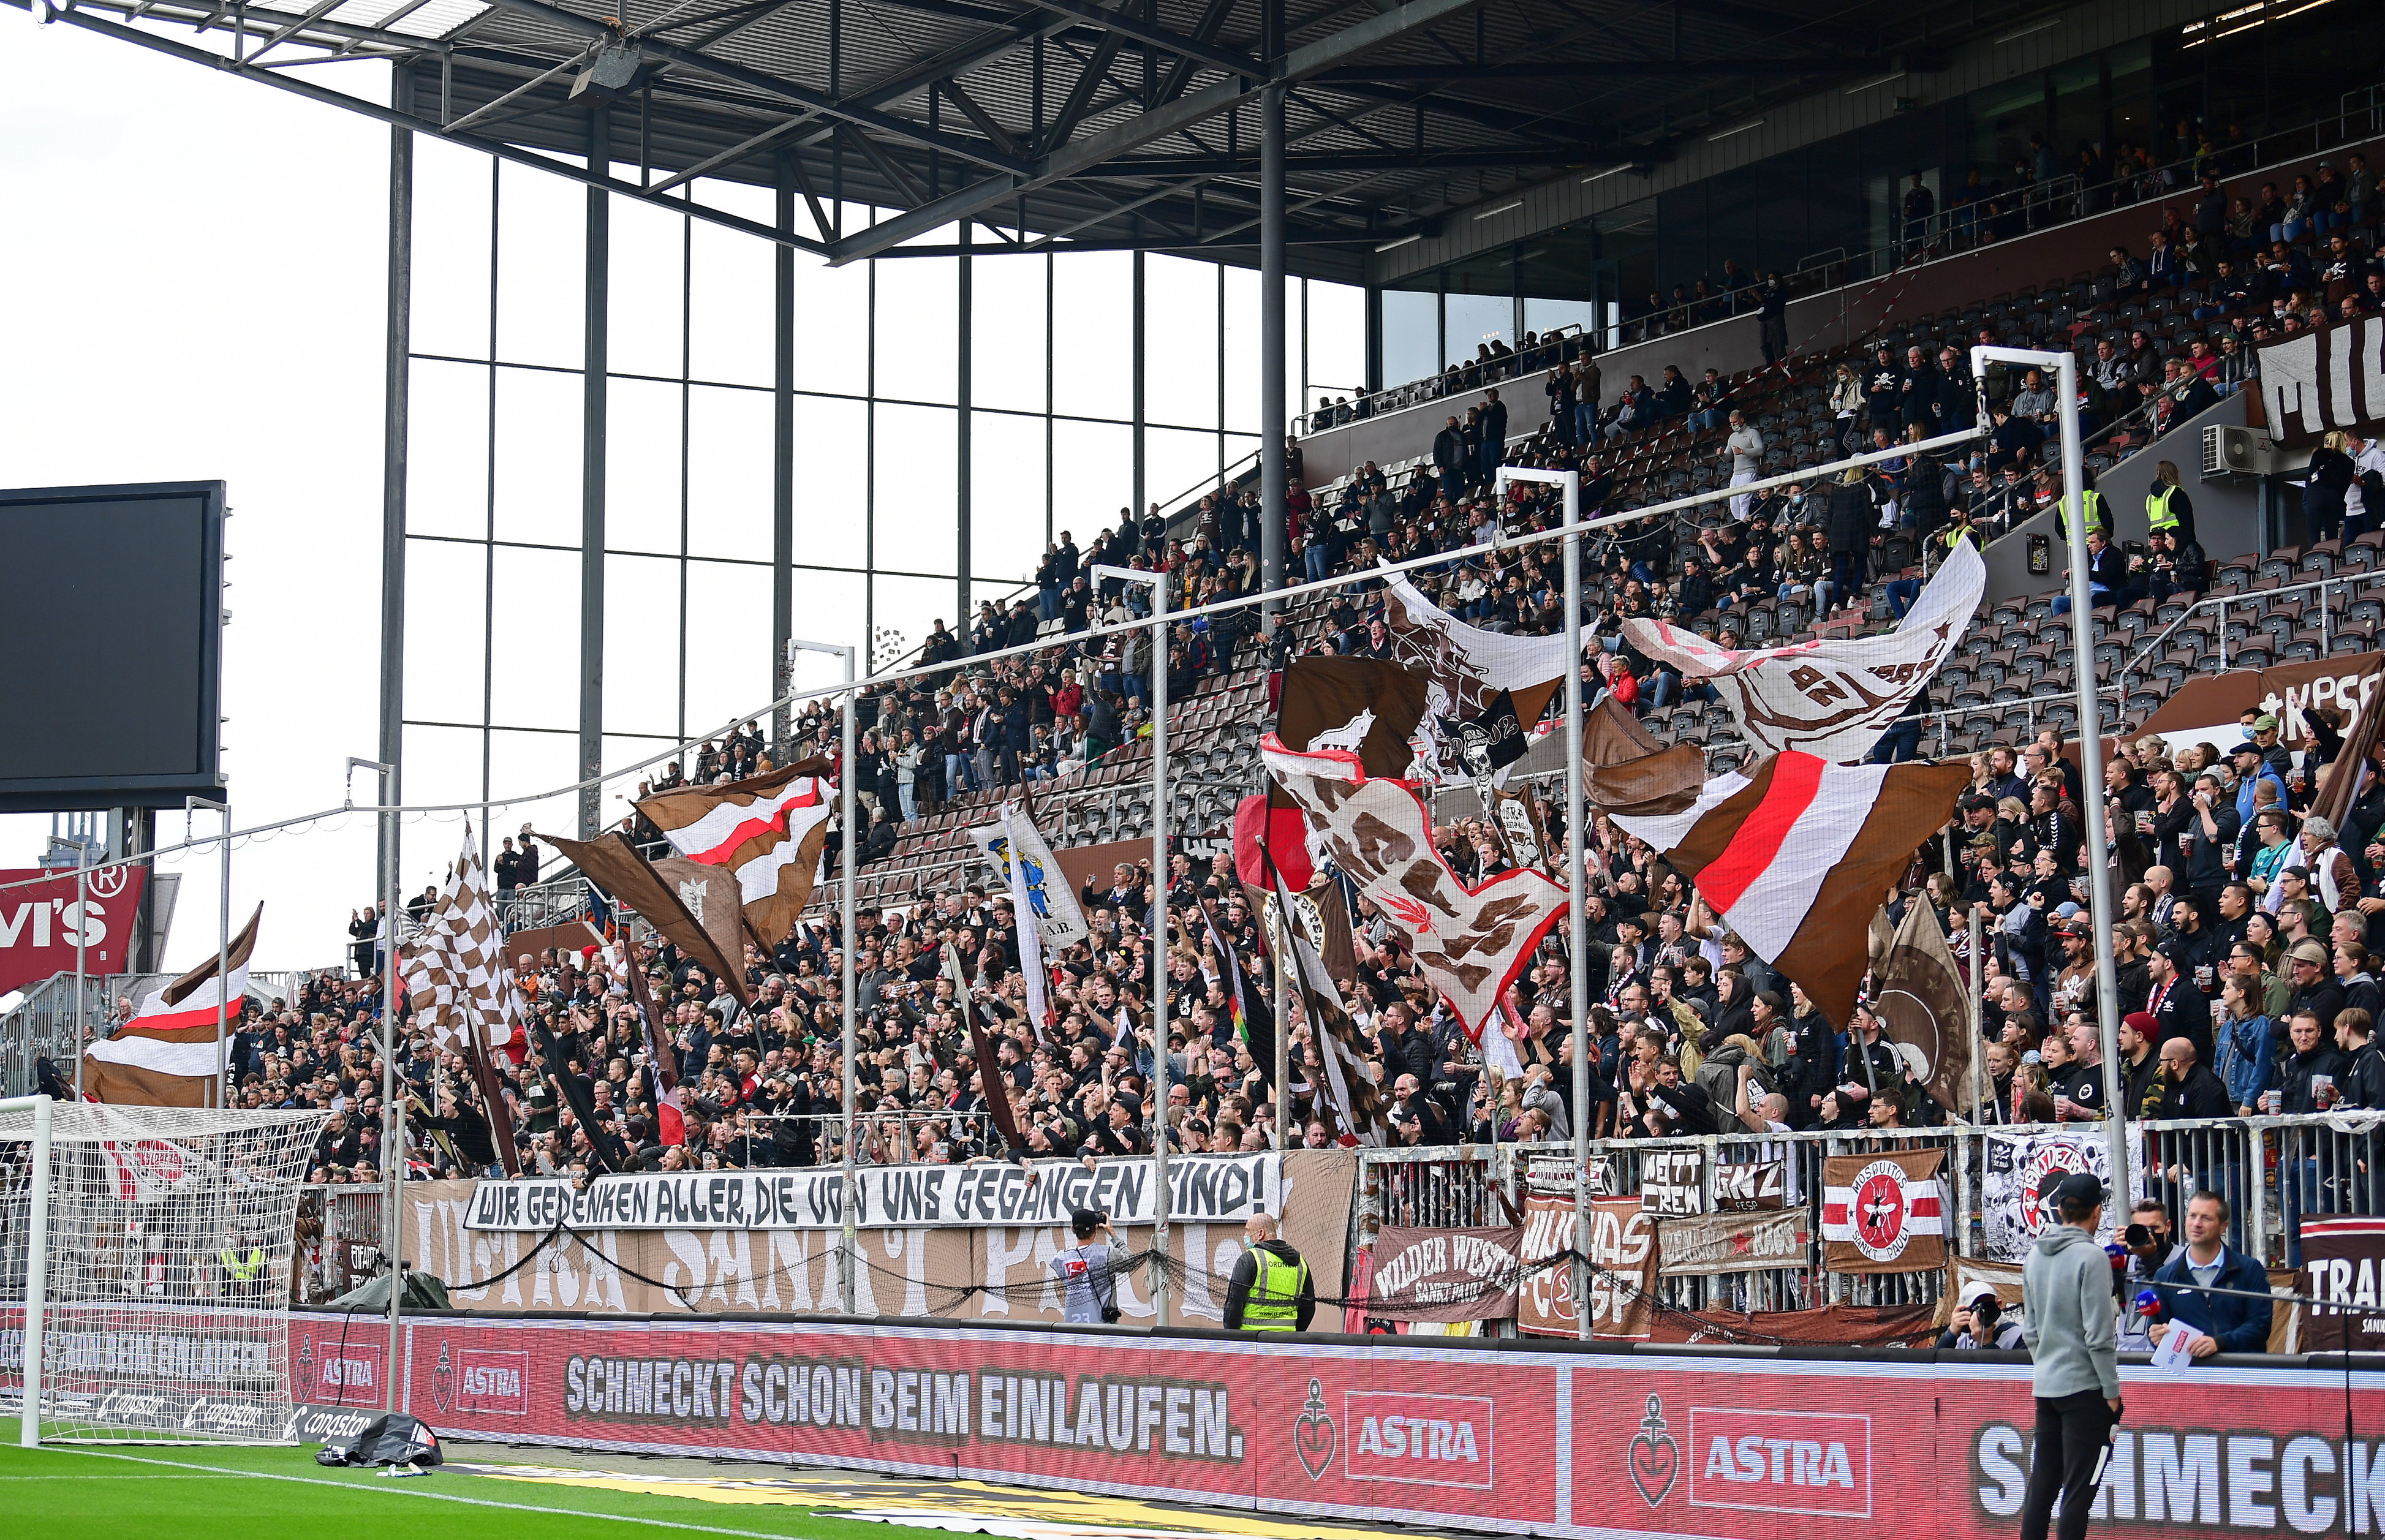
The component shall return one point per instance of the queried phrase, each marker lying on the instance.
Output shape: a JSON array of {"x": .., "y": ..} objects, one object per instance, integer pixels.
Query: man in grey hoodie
[{"x": 2066, "y": 1285}]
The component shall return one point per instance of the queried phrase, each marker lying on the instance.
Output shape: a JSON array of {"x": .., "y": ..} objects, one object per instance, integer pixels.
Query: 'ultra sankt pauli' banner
[
  {"x": 1550, "y": 1442},
  {"x": 1201, "y": 1189}
]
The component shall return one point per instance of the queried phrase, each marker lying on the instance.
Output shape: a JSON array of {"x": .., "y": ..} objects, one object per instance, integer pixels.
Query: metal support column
[
  {"x": 396, "y": 380},
  {"x": 2064, "y": 367},
  {"x": 1272, "y": 487},
  {"x": 964, "y": 559},
  {"x": 1141, "y": 400},
  {"x": 595, "y": 323},
  {"x": 783, "y": 463}
]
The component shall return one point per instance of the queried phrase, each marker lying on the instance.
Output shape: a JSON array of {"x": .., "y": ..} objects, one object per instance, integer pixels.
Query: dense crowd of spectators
[{"x": 2245, "y": 978}]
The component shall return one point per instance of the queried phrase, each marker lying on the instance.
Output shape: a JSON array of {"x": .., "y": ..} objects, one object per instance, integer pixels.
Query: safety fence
[
  {"x": 2272, "y": 1171},
  {"x": 340, "y": 1241}
]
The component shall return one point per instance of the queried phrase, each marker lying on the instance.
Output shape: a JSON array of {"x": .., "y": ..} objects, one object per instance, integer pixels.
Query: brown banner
[
  {"x": 2208, "y": 705},
  {"x": 1623, "y": 1270},
  {"x": 2343, "y": 1263},
  {"x": 1709, "y": 1244},
  {"x": 1446, "y": 1274}
]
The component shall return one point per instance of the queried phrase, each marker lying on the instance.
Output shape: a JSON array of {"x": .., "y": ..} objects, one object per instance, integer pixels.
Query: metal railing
[
  {"x": 2272, "y": 1171},
  {"x": 43, "y": 1024}
]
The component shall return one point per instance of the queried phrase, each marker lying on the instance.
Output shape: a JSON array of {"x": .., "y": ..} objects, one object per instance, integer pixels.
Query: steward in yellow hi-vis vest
[{"x": 1270, "y": 1291}]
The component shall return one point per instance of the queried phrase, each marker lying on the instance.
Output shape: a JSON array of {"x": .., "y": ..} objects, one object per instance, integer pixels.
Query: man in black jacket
[
  {"x": 2188, "y": 1086},
  {"x": 1449, "y": 459}
]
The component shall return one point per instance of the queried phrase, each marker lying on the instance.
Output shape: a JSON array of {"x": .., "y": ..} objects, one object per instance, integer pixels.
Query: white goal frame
[
  {"x": 150, "y": 1250},
  {"x": 37, "y": 1259}
]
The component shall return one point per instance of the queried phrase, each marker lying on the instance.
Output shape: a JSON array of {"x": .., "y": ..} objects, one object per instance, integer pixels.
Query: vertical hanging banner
[
  {"x": 1885, "y": 1212},
  {"x": 2017, "y": 1167}
]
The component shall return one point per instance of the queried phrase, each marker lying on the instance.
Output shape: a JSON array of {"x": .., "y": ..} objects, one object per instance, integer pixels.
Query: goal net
[{"x": 159, "y": 1291}]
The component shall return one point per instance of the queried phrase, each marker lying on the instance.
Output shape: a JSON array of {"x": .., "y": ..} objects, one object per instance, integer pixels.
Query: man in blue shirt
[{"x": 2226, "y": 1323}]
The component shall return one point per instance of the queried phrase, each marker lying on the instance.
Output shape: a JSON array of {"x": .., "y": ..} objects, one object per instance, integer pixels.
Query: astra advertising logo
[
  {"x": 1769, "y": 1461},
  {"x": 1430, "y": 1440}
]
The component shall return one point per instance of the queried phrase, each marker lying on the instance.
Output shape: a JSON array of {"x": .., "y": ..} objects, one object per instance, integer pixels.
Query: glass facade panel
[
  {"x": 728, "y": 641},
  {"x": 542, "y": 268},
  {"x": 918, "y": 492},
  {"x": 644, "y": 299},
  {"x": 450, "y": 313},
  {"x": 1008, "y": 339},
  {"x": 729, "y": 481},
  {"x": 642, "y": 491},
  {"x": 1181, "y": 374},
  {"x": 918, "y": 317},
  {"x": 1092, "y": 336},
  {"x": 537, "y": 456},
  {"x": 1411, "y": 334},
  {"x": 447, "y": 584},
  {"x": 1007, "y": 493},
  {"x": 447, "y": 449},
  {"x": 832, "y": 480},
  {"x": 642, "y": 644},
  {"x": 729, "y": 285},
  {"x": 534, "y": 637}
]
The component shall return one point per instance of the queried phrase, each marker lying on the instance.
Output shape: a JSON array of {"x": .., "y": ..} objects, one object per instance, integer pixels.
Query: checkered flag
[{"x": 454, "y": 969}]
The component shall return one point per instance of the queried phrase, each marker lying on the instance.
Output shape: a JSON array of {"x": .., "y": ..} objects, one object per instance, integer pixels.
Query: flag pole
[
  {"x": 847, "y": 802},
  {"x": 1977, "y": 1013},
  {"x": 1576, "y": 918},
  {"x": 2065, "y": 368}
]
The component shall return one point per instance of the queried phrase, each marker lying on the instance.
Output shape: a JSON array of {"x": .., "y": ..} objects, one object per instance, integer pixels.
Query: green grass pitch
[{"x": 216, "y": 1493}]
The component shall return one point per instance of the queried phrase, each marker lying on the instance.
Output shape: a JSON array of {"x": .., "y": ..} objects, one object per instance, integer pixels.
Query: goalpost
[{"x": 144, "y": 1271}]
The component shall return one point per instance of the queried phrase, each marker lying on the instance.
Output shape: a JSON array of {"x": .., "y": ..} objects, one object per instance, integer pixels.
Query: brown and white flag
[
  {"x": 1788, "y": 854},
  {"x": 1885, "y": 1211},
  {"x": 693, "y": 906},
  {"x": 456, "y": 969},
  {"x": 1924, "y": 1008},
  {"x": 767, "y": 831},
  {"x": 1832, "y": 698},
  {"x": 1467, "y": 665},
  {"x": 1625, "y": 769},
  {"x": 1352, "y": 1084},
  {"x": 1471, "y": 942},
  {"x": 1366, "y": 706},
  {"x": 173, "y": 1051}
]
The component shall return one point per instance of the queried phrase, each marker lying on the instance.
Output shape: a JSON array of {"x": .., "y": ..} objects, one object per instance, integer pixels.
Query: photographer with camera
[
  {"x": 1089, "y": 1271},
  {"x": 1979, "y": 1322}
]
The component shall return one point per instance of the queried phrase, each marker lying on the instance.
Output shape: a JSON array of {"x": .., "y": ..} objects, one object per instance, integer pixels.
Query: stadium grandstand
[{"x": 1941, "y": 450}]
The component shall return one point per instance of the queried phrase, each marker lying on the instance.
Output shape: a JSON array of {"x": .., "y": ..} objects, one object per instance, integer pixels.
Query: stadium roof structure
[{"x": 1066, "y": 122}]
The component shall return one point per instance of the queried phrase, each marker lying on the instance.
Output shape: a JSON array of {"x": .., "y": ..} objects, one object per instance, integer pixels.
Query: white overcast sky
[{"x": 193, "y": 292}]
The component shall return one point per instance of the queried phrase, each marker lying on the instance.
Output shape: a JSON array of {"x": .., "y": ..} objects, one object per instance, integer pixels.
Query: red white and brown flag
[
  {"x": 1792, "y": 855},
  {"x": 1885, "y": 1212},
  {"x": 173, "y": 1051},
  {"x": 766, "y": 830}
]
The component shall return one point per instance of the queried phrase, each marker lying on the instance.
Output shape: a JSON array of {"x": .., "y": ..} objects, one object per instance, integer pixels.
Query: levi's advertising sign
[
  {"x": 1558, "y": 1442},
  {"x": 39, "y": 923}
]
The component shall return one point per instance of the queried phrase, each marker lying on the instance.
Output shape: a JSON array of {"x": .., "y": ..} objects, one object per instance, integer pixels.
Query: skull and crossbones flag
[
  {"x": 1885, "y": 1211},
  {"x": 1471, "y": 942}
]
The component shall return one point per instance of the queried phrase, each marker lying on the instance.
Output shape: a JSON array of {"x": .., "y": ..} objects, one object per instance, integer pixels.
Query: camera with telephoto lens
[{"x": 2137, "y": 1234}]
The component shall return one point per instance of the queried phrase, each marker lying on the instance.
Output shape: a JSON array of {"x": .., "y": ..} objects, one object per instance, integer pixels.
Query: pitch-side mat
[{"x": 961, "y": 1506}]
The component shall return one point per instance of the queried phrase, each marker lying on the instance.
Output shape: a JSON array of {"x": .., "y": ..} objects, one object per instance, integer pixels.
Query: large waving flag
[
  {"x": 1792, "y": 855},
  {"x": 693, "y": 906},
  {"x": 455, "y": 967},
  {"x": 1471, "y": 942},
  {"x": 168, "y": 1055},
  {"x": 768, "y": 830},
  {"x": 1828, "y": 699},
  {"x": 1469, "y": 665}
]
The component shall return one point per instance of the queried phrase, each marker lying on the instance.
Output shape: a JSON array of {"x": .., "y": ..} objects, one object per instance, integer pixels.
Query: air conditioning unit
[{"x": 2230, "y": 452}]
